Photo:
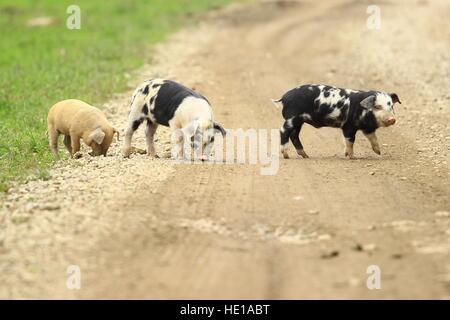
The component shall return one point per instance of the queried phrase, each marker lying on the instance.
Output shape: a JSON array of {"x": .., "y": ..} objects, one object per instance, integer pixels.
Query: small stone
[
  {"x": 50, "y": 207},
  {"x": 330, "y": 255},
  {"x": 365, "y": 247},
  {"x": 372, "y": 173},
  {"x": 442, "y": 214},
  {"x": 313, "y": 212},
  {"x": 369, "y": 247},
  {"x": 324, "y": 237}
]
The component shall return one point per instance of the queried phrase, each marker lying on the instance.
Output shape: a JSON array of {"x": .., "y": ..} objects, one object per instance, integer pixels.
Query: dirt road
[{"x": 143, "y": 228}]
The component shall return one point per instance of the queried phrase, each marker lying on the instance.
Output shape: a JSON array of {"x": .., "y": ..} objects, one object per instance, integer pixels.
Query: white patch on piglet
[{"x": 190, "y": 109}]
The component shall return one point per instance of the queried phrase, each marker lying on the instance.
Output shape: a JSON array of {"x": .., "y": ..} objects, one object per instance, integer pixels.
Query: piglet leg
[
  {"x": 68, "y": 143},
  {"x": 75, "y": 147},
  {"x": 295, "y": 139},
  {"x": 133, "y": 125},
  {"x": 349, "y": 149},
  {"x": 373, "y": 142},
  {"x": 349, "y": 136},
  {"x": 177, "y": 141},
  {"x": 150, "y": 134},
  {"x": 53, "y": 141},
  {"x": 285, "y": 133}
]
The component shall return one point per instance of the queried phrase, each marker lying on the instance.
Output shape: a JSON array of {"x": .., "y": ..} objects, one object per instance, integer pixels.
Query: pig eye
[{"x": 378, "y": 107}]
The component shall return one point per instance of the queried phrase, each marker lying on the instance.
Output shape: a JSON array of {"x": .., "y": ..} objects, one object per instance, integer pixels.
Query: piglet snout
[{"x": 390, "y": 121}]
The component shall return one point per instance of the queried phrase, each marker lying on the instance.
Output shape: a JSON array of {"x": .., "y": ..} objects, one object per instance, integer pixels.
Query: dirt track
[{"x": 143, "y": 228}]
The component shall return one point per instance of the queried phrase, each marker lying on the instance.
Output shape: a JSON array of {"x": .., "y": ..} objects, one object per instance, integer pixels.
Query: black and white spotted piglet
[
  {"x": 326, "y": 106},
  {"x": 168, "y": 103}
]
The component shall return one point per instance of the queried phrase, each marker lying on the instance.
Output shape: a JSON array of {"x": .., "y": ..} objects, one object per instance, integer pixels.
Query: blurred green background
[{"x": 44, "y": 64}]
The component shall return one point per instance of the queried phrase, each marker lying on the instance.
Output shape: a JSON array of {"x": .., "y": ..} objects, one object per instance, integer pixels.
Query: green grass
[{"x": 42, "y": 65}]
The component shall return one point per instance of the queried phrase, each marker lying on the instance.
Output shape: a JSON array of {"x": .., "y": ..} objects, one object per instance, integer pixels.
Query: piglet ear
[
  {"x": 395, "y": 98},
  {"x": 97, "y": 135},
  {"x": 368, "y": 102},
  {"x": 219, "y": 127}
]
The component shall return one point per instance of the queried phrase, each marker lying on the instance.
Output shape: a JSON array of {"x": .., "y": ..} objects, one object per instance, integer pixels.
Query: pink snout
[{"x": 390, "y": 121}]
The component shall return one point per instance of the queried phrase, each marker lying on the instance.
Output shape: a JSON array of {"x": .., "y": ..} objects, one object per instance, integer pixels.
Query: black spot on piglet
[
  {"x": 395, "y": 98},
  {"x": 145, "y": 109},
  {"x": 145, "y": 91},
  {"x": 137, "y": 123}
]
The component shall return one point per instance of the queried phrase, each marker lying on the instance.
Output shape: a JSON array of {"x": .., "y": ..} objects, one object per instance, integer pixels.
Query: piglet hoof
[
  {"x": 302, "y": 153},
  {"x": 377, "y": 151},
  {"x": 78, "y": 155},
  {"x": 284, "y": 151},
  {"x": 350, "y": 156},
  {"x": 126, "y": 152}
]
